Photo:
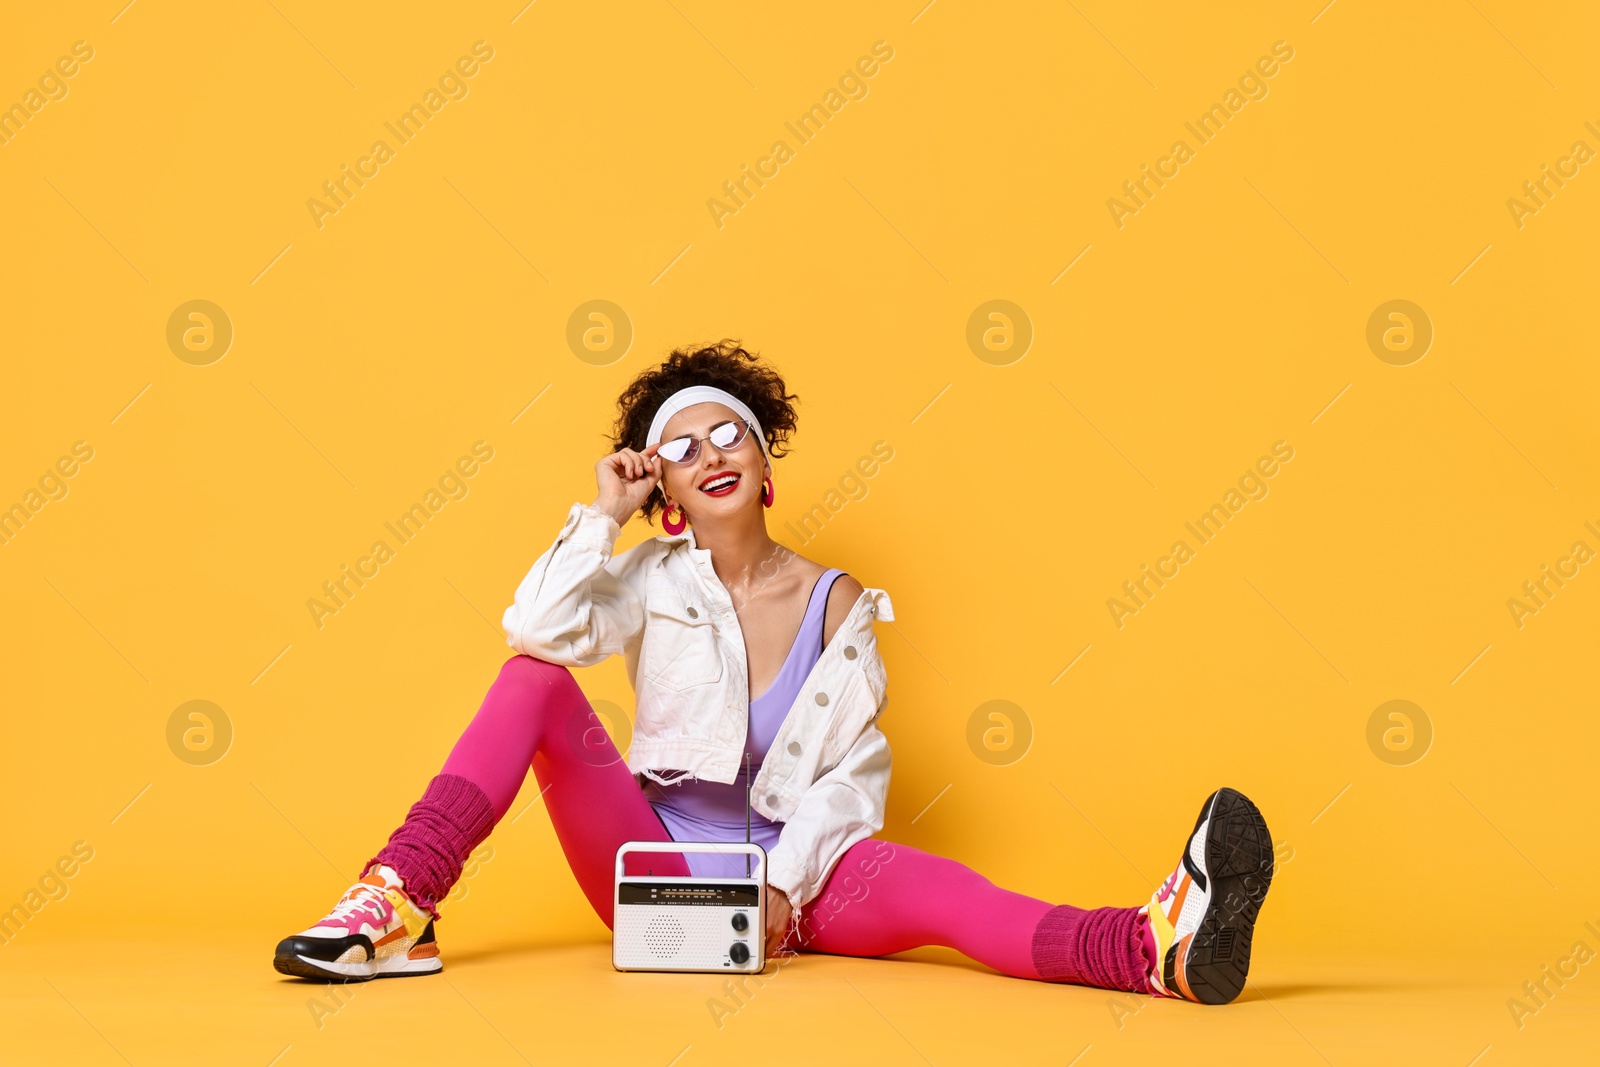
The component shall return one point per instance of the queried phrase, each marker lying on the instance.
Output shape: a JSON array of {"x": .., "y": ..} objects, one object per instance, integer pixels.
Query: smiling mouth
[{"x": 721, "y": 485}]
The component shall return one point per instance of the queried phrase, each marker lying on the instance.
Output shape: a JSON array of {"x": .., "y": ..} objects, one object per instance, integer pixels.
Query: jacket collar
[{"x": 672, "y": 540}]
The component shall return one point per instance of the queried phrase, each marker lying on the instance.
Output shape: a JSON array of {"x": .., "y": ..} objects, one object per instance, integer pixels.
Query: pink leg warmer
[
  {"x": 1104, "y": 947},
  {"x": 440, "y": 832}
]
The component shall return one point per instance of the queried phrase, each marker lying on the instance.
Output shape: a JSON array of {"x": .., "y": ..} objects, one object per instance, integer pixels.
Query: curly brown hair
[{"x": 725, "y": 365}]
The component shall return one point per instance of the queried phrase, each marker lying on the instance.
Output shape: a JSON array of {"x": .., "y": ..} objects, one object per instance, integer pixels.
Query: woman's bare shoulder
[{"x": 841, "y": 598}]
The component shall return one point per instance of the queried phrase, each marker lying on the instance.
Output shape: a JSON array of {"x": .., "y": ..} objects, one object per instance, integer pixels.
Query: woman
[{"x": 736, "y": 699}]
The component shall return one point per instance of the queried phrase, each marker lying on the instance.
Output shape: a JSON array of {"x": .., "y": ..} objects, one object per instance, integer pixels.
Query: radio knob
[
  {"x": 740, "y": 922},
  {"x": 739, "y": 953}
]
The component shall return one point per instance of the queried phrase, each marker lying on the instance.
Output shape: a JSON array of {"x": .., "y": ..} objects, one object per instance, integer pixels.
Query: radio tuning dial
[{"x": 740, "y": 923}]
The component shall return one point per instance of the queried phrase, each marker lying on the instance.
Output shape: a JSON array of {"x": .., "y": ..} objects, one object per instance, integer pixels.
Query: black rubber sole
[
  {"x": 1239, "y": 864},
  {"x": 299, "y": 968},
  {"x": 296, "y": 967}
]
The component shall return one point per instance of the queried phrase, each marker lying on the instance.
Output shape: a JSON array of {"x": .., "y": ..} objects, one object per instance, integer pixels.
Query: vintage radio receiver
[{"x": 687, "y": 923}]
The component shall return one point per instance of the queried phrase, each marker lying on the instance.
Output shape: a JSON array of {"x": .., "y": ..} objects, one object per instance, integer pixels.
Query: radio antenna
[{"x": 747, "y": 812}]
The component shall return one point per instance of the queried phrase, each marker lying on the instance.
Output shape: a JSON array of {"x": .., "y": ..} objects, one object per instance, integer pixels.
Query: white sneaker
[
  {"x": 1203, "y": 917},
  {"x": 374, "y": 931}
]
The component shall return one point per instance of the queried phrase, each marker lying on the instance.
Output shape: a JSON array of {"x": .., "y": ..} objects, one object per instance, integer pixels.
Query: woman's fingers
[{"x": 630, "y": 466}]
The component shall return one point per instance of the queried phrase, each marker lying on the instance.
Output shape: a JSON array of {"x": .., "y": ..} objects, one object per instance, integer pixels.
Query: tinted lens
[
  {"x": 729, "y": 434},
  {"x": 679, "y": 449}
]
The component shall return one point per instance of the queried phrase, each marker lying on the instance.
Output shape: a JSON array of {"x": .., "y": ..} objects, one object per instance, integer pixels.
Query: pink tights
[{"x": 880, "y": 898}]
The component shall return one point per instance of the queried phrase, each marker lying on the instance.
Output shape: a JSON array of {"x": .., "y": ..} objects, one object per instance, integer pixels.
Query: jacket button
[
  {"x": 772, "y": 800},
  {"x": 794, "y": 748},
  {"x": 822, "y": 698},
  {"x": 849, "y": 651},
  {"x": 693, "y": 614}
]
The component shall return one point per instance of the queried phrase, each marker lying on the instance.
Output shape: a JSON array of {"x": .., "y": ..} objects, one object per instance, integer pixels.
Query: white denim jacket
[{"x": 661, "y": 604}]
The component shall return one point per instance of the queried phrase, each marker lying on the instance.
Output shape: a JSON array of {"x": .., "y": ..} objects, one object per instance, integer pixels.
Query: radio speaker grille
[{"x": 664, "y": 936}]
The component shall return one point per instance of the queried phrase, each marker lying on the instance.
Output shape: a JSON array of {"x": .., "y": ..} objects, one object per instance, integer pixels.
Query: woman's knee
[
  {"x": 537, "y": 679},
  {"x": 532, "y": 668}
]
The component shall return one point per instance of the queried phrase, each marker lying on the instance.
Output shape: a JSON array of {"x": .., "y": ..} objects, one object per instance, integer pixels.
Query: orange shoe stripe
[
  {"x": 422, "y": 952},
  {"x": 393, "y": 935},
  {"x": 1176, "y": 908},
  {"x": 1178, "y": 969}
]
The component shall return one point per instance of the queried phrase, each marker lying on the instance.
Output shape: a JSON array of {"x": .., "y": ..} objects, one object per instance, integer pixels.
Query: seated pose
[{"x": 757, "y": 674}]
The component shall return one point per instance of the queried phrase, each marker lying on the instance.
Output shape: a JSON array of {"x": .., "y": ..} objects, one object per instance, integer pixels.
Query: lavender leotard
[{"x": 702, "y": 810}]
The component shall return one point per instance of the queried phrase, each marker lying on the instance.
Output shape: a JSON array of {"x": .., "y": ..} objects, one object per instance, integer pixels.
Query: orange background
[{"x": 432, "y": 311}]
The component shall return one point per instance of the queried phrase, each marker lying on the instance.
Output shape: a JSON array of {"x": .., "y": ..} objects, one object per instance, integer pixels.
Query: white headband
[{"x": 699, "y": 394}]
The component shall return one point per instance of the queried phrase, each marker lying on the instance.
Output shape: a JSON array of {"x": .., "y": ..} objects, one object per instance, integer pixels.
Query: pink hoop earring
[
  {"x": 767, "y": 492},
  {"x": 674, "y": 527}
]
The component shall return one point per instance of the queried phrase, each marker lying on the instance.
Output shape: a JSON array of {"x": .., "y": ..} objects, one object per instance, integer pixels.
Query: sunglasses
[{"x": 726, "y": 436}]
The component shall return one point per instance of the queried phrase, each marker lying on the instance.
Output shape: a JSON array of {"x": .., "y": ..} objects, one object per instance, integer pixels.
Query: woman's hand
[
  {"x": 778, "y": 913},
  {"x": 626, "y": 478}
]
